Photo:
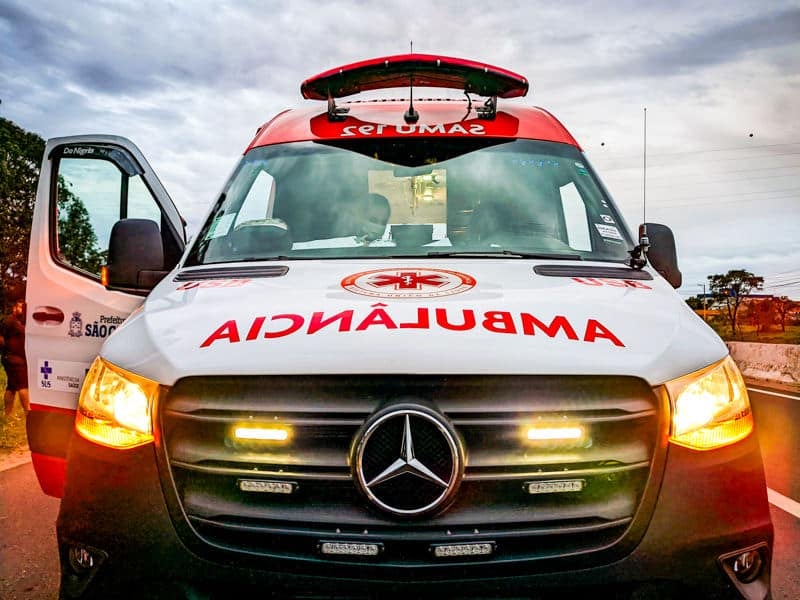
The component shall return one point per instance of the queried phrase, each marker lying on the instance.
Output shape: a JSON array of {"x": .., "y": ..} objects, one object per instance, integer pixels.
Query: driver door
[{"x": 86, "y": 184}]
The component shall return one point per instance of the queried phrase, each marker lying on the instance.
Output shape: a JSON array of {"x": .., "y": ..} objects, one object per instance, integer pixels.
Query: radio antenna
[
  {"x": 638, "y": 254},
  {"x": 644, "y": 175},
  {"x": 411, "y": 115}
]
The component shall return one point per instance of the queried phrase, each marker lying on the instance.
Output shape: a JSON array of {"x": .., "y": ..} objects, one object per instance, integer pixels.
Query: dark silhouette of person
[
  {"x": 365, "y": 219},
  {"x": 14, "y": 363}
]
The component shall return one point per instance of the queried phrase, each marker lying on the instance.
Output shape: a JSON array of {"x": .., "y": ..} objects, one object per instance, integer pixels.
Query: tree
[
  {"x": 77, "y": 241},
  {"x": 731, "y": 289},
  {"x": 20, "y": 155},
  {"x": 783, "y": 306},
  {"x": 763, "y": 315},
  {"x": 695, "y": 302}
]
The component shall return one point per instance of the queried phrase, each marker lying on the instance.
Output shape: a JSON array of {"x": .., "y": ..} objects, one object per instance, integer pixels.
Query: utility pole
[{"x": 703, "y": 285}]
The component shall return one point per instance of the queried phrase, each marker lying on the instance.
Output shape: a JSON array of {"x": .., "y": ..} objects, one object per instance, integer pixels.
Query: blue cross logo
[{"x": 46, "y": 369}]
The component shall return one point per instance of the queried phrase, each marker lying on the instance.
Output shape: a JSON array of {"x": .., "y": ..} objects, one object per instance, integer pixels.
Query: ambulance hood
[{"x": 467, "y": 316}]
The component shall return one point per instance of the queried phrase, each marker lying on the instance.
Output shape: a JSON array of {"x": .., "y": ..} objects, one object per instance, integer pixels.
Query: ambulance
[{"x": 413, "y": 350}]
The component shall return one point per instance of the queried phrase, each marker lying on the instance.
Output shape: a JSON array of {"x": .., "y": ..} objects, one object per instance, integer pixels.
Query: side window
[
  {"x": 141, "y": 204},
  {"x": 259, "y": 201},
  {"x": 94, "y": 190},
  {"x": 575, "y": 218}
]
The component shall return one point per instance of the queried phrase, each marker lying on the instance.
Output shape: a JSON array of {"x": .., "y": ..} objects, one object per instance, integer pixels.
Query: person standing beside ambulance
[{"x": 14, "y": 363}]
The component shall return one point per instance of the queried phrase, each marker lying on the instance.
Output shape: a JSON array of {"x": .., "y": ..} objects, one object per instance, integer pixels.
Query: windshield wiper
[{"x": 508, "y": 253}]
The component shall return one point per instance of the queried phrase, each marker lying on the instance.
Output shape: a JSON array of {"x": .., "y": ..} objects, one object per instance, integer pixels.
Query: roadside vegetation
[
  {"x": 12, "y": 429},
  {"x": 752, "y": 333},
  {"x": 735, "y": 310}
]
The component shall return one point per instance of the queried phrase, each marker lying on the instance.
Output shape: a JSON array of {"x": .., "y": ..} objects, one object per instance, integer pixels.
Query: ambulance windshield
[{"x": 310, "y": 200}]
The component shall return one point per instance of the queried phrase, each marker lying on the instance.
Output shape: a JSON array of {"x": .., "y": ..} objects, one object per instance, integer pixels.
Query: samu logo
[
  {"x": 408, "y": 283},
  {"x": 75, "y": 325}
]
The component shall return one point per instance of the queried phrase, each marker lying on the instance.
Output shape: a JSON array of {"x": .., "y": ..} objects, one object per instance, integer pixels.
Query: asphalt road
[
  {"x": 29, "y": 560},
  {"x": 777, "y": 414},
  {"x": 28, "y": 555}
]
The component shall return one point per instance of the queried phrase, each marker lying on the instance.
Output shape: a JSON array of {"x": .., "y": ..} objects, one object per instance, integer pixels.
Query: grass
[
  {"x": 749, "y": 333},
  {"x": 12, "y": 428}
]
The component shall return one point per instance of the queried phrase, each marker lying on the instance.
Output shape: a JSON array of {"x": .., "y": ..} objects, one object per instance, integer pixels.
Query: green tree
[
  {"x": 20, "y": 155},
  {"x": 783, "y": 306},
  {"x": 759, "y": 314},
  {"x": 77, "y": 241},
  {"x": 695, "y": 302},
  {"x": 731, "y": 289}
]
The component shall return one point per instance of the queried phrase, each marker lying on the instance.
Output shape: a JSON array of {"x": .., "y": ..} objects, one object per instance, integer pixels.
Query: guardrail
[{"x": 777, "y": 363}]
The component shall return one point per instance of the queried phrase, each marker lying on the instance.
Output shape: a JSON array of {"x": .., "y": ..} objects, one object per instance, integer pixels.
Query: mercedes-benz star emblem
[{"x": 408, "y": 460}]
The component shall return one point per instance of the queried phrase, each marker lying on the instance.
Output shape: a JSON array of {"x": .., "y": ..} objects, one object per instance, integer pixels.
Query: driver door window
[{"x": 93, "y": 194}]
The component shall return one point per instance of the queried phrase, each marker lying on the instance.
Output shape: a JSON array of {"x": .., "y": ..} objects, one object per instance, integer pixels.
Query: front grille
[{"x": 490, "y": 414}]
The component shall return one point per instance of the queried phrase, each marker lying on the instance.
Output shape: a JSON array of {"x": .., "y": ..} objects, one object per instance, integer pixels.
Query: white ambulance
[{"x": 414, "y": 349}]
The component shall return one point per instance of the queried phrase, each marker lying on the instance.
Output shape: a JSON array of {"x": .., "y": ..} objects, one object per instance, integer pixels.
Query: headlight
[
  {"x": 710, "y": 408},
  {"x": 116, "y": 407}
]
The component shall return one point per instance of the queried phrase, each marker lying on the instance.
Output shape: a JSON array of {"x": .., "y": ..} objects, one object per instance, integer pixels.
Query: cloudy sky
[{"x": 190, "y": 82}]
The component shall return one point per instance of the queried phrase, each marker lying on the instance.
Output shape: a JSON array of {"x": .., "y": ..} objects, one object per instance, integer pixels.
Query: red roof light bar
[{"x": 419, "y": 70}]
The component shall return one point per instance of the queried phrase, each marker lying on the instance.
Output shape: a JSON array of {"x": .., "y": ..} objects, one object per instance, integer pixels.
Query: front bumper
[{"x": 709, "y": 504}]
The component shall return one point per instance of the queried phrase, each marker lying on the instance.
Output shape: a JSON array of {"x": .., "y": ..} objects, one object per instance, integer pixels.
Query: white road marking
[
  {"x": 773, "y": 394},
  {"x": 784, "y": 503}
]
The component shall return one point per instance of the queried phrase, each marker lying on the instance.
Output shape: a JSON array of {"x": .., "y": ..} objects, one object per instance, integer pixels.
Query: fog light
[
  {"x": 256, "y": 433},
  {"x": 554, "y": 487},
  {"x": 546, "y": 435},
  {"x": 555, "y": 433},
  {"x": 83, "y": 560},
  {"x": 80, "y": 559},
  {"x": 350, "y": 548},
  {"x": 456, "y": 550},
  {"x": 267, "y": 487},
  {"x": 748, "y": 570},
  {"x": 747, "y": 566}
]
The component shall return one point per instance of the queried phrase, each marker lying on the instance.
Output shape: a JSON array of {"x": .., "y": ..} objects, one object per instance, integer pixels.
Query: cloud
[
  {"x": 25, "y": 34},
  {"x": 189, "y": 83},
  {"x": 678, "y": 53}
]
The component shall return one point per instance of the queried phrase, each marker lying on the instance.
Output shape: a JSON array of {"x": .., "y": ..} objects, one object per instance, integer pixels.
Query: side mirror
[
  {"x": 661, "y": 253},
  {"x": 135, "y": 257}
]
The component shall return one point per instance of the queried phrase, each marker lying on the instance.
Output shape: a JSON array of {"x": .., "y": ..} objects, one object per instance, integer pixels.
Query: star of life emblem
[{"x": 408, "y": 283}]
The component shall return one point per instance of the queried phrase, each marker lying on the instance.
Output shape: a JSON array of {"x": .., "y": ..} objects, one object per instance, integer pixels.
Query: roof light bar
[{"x": 415, "y": 70}]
